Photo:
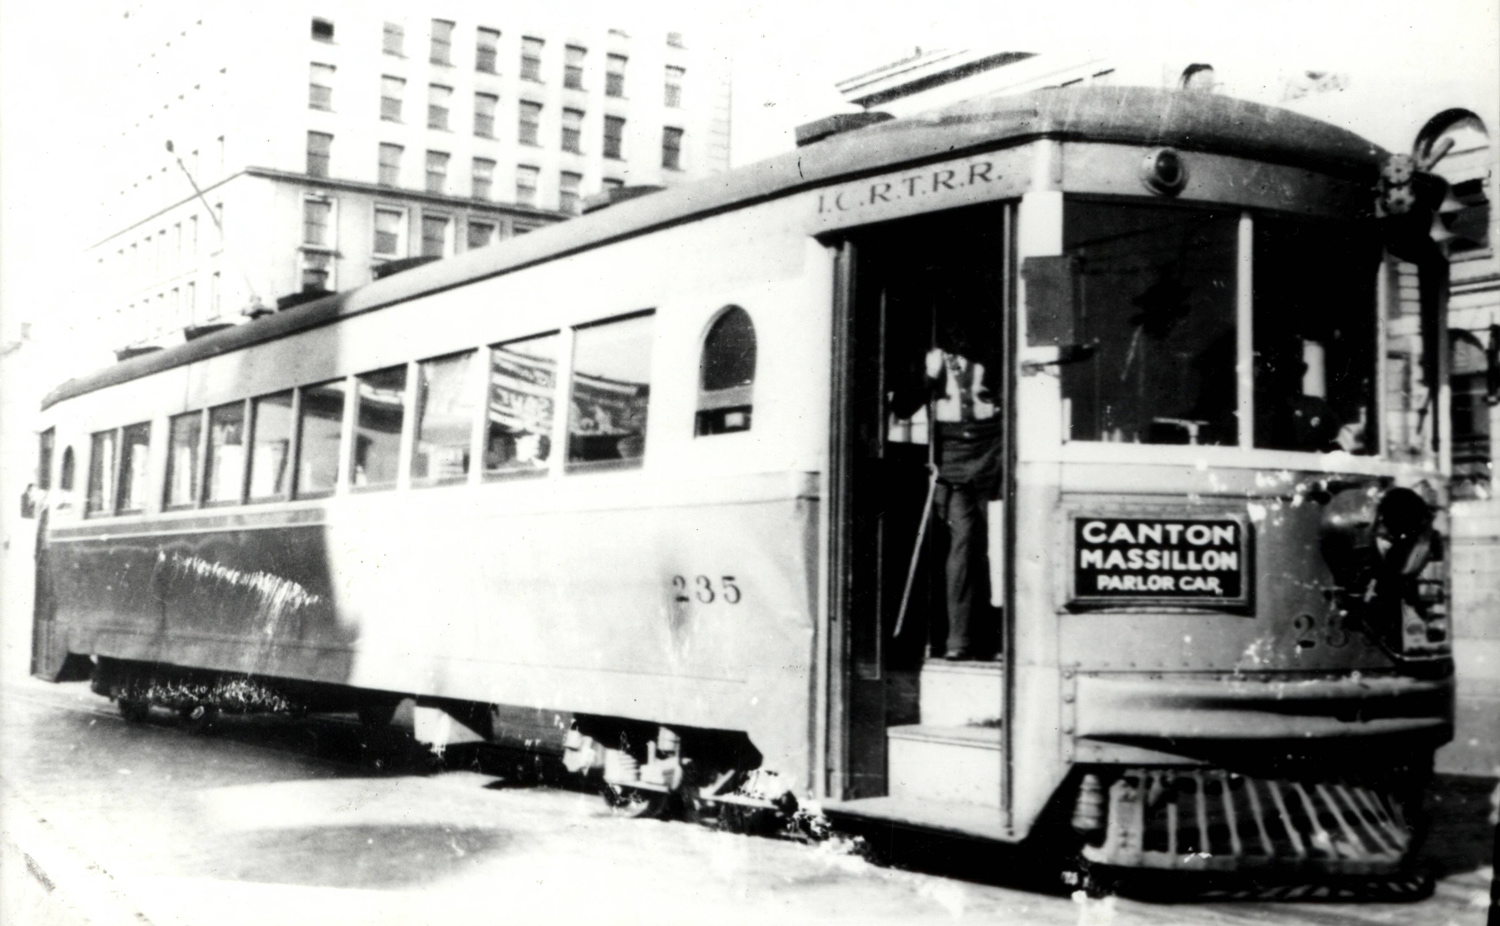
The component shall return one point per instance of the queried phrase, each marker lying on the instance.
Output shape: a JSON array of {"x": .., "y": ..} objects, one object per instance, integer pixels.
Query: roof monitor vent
[
  {"x": 837, "y": 124},
  {"x": 607, "y": 198}
]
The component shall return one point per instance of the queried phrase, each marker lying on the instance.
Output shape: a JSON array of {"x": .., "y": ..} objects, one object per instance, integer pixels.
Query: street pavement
[{"x": 271, "y": 820}]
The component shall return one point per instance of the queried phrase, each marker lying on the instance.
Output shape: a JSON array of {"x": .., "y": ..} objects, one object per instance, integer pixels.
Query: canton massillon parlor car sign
[{"x": 1159, "y": 560}]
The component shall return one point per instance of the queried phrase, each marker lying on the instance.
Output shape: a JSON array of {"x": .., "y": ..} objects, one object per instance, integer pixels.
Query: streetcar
[{"x": 638, "y": 489}]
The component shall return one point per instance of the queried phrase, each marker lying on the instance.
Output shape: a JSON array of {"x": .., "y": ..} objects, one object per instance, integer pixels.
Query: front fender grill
[{"x": 1215, "y": 820}]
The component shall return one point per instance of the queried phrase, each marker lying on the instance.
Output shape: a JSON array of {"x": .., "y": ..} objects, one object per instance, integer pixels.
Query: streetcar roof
[{"x": 1118, "y": 115}]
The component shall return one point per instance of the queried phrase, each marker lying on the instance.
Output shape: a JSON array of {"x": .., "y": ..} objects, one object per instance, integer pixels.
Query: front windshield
[
  {"x": 1315, "y": 335},
  {"x": 1155, "y": 300},
  {"x": 1155, "y": 295}
]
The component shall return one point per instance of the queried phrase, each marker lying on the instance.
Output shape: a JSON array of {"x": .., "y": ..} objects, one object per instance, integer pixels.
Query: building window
[
  {"x": 45, "y": 444},
  {"x": 322, "y": 29},
  {"x": 573, "y": 56},
  {"x": 445, "y": 408},
  {"x": 531, "y": 58},
  {"x": 614, "y": 75},
  {"x": 271, "y": 424},
  {"x": 671, "y": 148},
  {"x": 522, "y": 400},
  {"x": 135, "y": 448},
  {"x": 485, "y": 105},
  {"x": 392, "y": 90},
  {"x": 439, "y": 99},
  {"x": 437, "y": 171},
  {"x": 484, "y": 178},
  {"x": 437, "y": 237},
  {"x": 726, "y": 374},
  {"x": 1468, "y": 168},
  {"x": 317, "y": 271},
  {"x": 610, "y": 392},
  {"x": 572, "y": 130},
  {"x": 390, "y": 232},
  {"x": 442, "y": 42},
  {"x": 526, "y": 177},
  {"x": 184, "y": 440},
  {"x": 481, "y": 234},
  {"x": 320, "y": 87},
  {"x": 394, "y": 40},
  {"x": 1470, "y": 413},
  {"x": 674, "y": 86},
  {"x": 224, "y": 464},
  {"x": 101, "y": 497},
  {"x": 567, "y": 191},
  {"x": 316, "y": 220},
  {"x": 390, "y": 164},
  {"x": 377, "y": 428},
  {"x": 614, "y": 132},
  {"x": 318, "y": 147},
  {"x": 485, "y": 49},
  {"x": 674, "y": 39},
  {"x": 612, "y": 183},
  {"x": 320, "y": 421},
  {"x": 531, "y": 121}
]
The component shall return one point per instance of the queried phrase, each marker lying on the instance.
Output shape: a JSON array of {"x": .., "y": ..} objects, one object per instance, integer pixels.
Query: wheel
[
  {"x": 635, "y": 803},
  {"x": 134, "y": 710},
  {"x": 198, "y": 718}
]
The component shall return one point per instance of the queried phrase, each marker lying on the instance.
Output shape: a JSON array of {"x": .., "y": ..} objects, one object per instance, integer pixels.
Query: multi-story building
[{"x": 329, "y": 138}]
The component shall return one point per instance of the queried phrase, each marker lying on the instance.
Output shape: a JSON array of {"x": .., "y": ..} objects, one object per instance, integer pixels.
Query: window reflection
[
  {"x": 102, "y": 473},
  {"x": 522, "y": 397},
  {"x": 135, "y": 445},
  {"x": 182, "y": 459},
  {"x": 321, "y": 420},
  {"x": 271, "y": 419},
  {"x": 377, "y": 430},
  {"x": 611, "y": 390},
  {"x": 226, "y": 453},
  {"x": 1156, "y": 296},
  {"x": 445, "y": 415}
]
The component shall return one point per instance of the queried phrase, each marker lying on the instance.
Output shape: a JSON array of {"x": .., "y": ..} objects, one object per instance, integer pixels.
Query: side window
[
  {"x": 182, "y": 459},
  {"x": 377, "y": 428},
  {"x": 224, "y": 477},
  {"x": 610, "y": 392},
  {"x": 45, "y": 444},
  {"x": 445, "y": 411},
  {"x": 522, "y": 396},
  {"x": 102, "y": 473},
  {"x": 271, "y": 425},
  {"x": 135, "y": 446},
  {"x": 320, "y": 421},
  {"x": 726, "y": 374},
  {"x": 1470, "y": 414},
  {"x": 65, "y": 475}
]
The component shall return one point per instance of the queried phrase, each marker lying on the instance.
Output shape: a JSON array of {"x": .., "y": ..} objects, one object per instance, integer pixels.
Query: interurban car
[{"x": 643, "y": 470}]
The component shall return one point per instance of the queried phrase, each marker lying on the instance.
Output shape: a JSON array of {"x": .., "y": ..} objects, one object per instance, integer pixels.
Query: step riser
[
  {"x": 947, "y": 772},
  {"x": 961, "y": 697}
]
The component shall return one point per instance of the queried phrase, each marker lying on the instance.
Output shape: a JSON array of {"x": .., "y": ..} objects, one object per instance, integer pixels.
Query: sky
[{"x": 787, "y": 56}]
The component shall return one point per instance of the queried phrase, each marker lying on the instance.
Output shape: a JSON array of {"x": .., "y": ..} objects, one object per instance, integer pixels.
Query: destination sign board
[{"x": 1119, "y": 560}]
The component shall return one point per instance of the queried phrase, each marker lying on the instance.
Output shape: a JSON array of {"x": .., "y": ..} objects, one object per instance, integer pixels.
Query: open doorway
[{"x": 920, "y": 562}]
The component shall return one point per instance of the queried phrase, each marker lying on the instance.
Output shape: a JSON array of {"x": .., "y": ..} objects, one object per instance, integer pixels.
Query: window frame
[
  {"x": 573, "y": 64},
  {"x": 446, "y": 219},
  {"x": 440, "y": 50},
  {"x": 439, "y": 107},
  {"x": 532, "y": 49},
  {"x": 440, "y": 159},
  {"x": 489, "y": 53},
  {"x": 572, "y": 130},
  {"x": 319, "y": 162},
  {"x": 299, "y": 441},
  {"x": 714, "y": 405},
  {"x": 484, "y": 122},
  {"x": 671, "y": 147},
  {"x": 241, "y": 484},
  {"x": 529, "y": 130},
  {"x": 398, "y": 47},
  {"x": 569, "y": 191},
  {"x": 672, "y": 89},
  {"x": 535, "y": 173},
  {"x": 350, "y": 456},
  {"x": 565, "y": 456},
  {"x": 614, "y": 142},
  {"x": 252, "y": 438},
  {"x": 403, "y": 233},
  {"x": 614, "y": 77},
  {"x": 391, "y": 106},
  {"x": 196, "y": 484},
  {"x": 381, "y": 167},
  {"x": 562, "y": 347},
  {"x": 416, "y": 399},
  {"x": 482, "y": 178},
  {"x": 314, "y": 98}
]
